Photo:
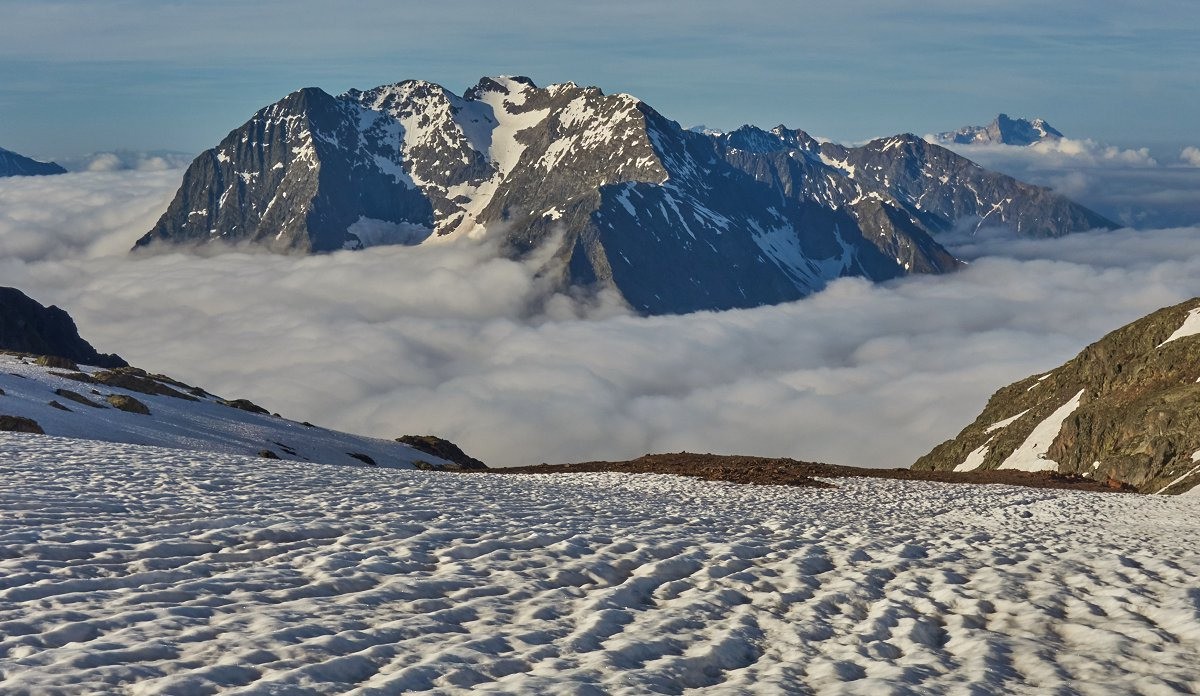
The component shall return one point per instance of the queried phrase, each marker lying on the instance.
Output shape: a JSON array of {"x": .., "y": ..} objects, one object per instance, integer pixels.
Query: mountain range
[
  {"x": 13, "y": 164},
  {"x": 612, "y": 193},
  {"x": 1125, "y": 410},
  {"x": 1003, "y": 130}
]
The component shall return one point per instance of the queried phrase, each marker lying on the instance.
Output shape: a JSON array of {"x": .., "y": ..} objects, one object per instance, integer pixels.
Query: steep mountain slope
[
  {"x": 28, "y": 327},
  {"x": 619, "y": 196},
  {"x": 1003, "y": 131},
  {"x": 12, "y": 164},
  {"x": 1126, "y": 409}
]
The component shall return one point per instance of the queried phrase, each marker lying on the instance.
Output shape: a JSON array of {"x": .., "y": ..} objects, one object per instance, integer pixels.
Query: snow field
[{"x": 143, "y": 570}]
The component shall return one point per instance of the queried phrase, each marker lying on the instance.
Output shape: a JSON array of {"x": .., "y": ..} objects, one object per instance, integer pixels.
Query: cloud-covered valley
[{"x": 452, "y": 340}]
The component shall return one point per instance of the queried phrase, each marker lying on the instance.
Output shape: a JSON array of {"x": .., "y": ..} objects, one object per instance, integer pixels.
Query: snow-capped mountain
[
  {"x": 1125, "y": 410},
  {"x": 619, "y": 196},
  {"x": 12, "y": 164},
  {"x": 43, "y": 390},
  {"x": 1003, "y": 130}
]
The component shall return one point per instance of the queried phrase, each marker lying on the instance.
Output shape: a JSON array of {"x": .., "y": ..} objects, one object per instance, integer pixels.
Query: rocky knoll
[{"x": 1125, "y": 411}]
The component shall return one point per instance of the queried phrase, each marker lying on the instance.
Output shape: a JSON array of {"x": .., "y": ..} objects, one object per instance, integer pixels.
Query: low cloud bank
[{"x": 448, "y": 339}]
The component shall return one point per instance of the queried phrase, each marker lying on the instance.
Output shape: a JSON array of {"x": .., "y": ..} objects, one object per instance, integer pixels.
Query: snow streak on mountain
[{"x": 617, "y": 195}]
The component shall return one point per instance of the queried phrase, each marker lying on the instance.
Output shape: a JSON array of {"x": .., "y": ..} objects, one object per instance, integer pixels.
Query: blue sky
[{"x": 79, "y": 76}]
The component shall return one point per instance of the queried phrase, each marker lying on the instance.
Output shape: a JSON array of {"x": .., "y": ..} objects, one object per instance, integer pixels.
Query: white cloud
[
  {"x": 451, "y": 340},
  {"x": 120, "y": 160},
  {"x": 1190, "y": 156}
]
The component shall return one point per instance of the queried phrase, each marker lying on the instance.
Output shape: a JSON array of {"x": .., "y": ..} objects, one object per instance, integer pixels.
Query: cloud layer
[{"x": 450, "y": 340}]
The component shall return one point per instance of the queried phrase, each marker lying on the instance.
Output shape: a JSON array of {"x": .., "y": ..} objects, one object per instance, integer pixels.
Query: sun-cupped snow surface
[
  {"x": 141, "y": 570},
  {"x": 203, "y": 423},
  {"x": 1190, "y": 327},
  {"x": 1031, "y": 455}
]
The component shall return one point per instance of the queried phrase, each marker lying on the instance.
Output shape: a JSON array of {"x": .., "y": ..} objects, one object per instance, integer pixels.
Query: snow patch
[
  {"x": 975, "y": 459},
  {"x": 1190, "y": 327},
  {"x": 1004, "y": 423},
  {"x": 1031, "y": 455}
]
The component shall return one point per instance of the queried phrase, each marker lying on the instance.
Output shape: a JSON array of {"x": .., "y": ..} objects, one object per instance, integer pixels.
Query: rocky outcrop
[
  {"x": 616, "y": 195},
  {"x": 1126, "y": 410},
  {"x": 432, "y": 444},
  {"x": 29, "y": 327}
]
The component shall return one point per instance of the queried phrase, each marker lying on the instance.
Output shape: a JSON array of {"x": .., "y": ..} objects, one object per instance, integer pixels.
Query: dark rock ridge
[
  {"x": 617, "y": 195},
  {"x": 12, "y": 164},
  {"x": 1126, "y": 411},
  {"x": 1003, "y": 131},
  {"x": 28, "y": 327}
]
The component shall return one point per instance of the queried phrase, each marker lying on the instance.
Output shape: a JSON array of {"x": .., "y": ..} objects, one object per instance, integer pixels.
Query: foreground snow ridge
[{"x": 145, "y": 570}]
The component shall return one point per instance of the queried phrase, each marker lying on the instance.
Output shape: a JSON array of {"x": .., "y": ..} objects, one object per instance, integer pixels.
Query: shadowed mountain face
[
  {"x": 625, "y": 199},
  {"x": 1125, "y": 410},
  {"x": 28, "y": 327},
  {"x": 12, "y": 164},
  {"x": 1003, "y": 131}
]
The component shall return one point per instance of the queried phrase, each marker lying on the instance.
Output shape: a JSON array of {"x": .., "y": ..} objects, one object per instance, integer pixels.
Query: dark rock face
[
  {"x": 613, "y": 193},
  {"x": 1129, "y": 407},
  {"x": 12, "y": 164},
  {"x": 431, "y": 444},
  {"x": 28, "y": 327},
  {"x": 20, "y": 424},
  {"x": 1003, "y": 131}
]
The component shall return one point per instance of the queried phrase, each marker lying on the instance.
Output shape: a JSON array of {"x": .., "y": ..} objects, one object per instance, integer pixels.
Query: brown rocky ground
[{"x": 790, "y": 472}]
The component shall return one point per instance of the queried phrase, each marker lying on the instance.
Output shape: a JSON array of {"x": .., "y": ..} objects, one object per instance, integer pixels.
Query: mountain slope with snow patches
[
  {"x": 144, "y": 570},
  {"x": 619, "y": 196},
  {"x": 1125, "y": 410}
]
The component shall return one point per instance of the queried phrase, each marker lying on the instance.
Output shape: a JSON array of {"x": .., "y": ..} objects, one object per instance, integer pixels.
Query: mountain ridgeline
[
  {"x": 673, "y": 220},
  {"x": 1126, "y": 410},
  {"x": 13, "y": 164}
]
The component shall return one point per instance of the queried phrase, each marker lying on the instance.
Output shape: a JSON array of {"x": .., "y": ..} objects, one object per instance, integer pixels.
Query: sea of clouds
[{"x": 451, "y": 340}]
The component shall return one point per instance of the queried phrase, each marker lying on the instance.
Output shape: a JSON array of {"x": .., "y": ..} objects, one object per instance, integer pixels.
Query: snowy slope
[
  {"x": 140, "y": 570},
  {"x": 203, "y": 424}
]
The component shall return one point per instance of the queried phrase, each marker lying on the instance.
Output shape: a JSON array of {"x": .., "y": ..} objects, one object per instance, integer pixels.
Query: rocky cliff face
[
  {"x": 28, "y": 327},
  {"x": 625, "y": 199},
  {"x": 12, "y": 164},
  {"x": 1126, "y": 410}
]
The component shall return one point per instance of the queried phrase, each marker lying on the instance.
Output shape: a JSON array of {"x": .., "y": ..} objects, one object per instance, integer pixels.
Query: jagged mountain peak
[{"x": 673, "y": 220}]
